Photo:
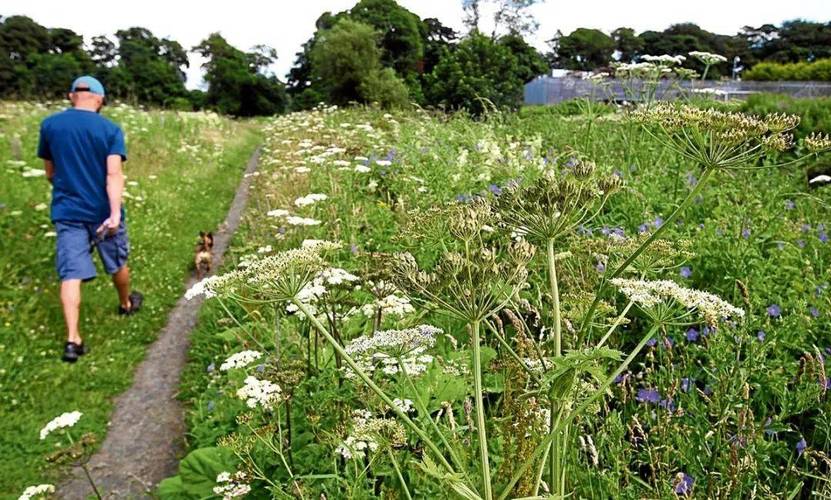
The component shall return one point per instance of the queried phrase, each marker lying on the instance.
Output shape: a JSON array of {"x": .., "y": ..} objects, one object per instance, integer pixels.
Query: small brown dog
[{"x": 204, "y": 254}]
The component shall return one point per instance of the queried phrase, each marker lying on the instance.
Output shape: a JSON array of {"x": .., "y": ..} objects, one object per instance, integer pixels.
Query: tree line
[{"x": 375, "y": 52}]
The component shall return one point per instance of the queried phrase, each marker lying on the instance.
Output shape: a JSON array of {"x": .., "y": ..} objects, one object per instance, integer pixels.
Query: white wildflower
[
  {"x": 278, "y": 213},
  {"x": 34, "y": 491},
  {"x": 708, "y": 57},
  {"x": 392, "y": 305},
  {"x": 231, "y": 486},
  {"x": 362, "y": 169},
  {"x": 259, "y": 392},
  {"x": 383, "y": 163},
  {"x": 385, "y": 349},
  {"x": 302, "y": 221},
  {"x": 651, "y": 293},
  {"x": 64, "y": 420},
  {"x": 405, "y": 405},
  {"x": 310, "y": 199},
  {"x": 240, "y": 360}
]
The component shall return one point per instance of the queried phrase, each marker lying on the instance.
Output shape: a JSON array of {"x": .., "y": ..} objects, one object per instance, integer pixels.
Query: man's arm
[
  {"x": 49, "y": 167},
  {"x": 115, "y": 189}
]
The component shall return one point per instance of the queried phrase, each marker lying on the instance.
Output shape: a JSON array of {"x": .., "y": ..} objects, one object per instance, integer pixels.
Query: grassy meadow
[
  {"x": 708, "y": 405},
  {"x": 182, "y": 172}
]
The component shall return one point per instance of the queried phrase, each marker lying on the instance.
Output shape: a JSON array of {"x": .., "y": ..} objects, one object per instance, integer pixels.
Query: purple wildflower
[
  {"x": 801, "y": 243},
  {"x": 643, "y": 228},
  {"x": 652, "y": 342},
  {"x": 683, "y": 484},
  {"x": 648, "y": 396},
  {"x": 658, "y": 222},
  {"x": 789, "y": 205},
  {"x": 667, "y": 404},
  {"x": 823, "y": 237},
  {"x": 685, "y": 272},
  {"x": 281, "y": 230},
  {"x": 805, "y": 228},
  {"x": 692, "y": 335},
  {"x": 496, "y": 190},
  {"x": 211, "y": 405},
  {"x": 601, "y": 267},
  {"x": 800, "y": 447},
  {"x": 354, "y": 249},
  {"x": 211, "y": 367},
  {"x": 685, "y": 384},
  {"x": 746, "y": 233},
  {"x": 774, "y": 311},
  {"x": 760, "y": 335},
  {"x": 814, "y": 312},
  {"x": 691, "y": 179}
]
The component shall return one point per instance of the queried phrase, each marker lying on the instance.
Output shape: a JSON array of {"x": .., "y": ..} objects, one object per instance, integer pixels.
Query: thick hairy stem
[
  {"x": 556, "y": 454},
  {"x": 617, "y": 272},
  {"x": 487, "y": 489},
  {"x": 577, "y": 411},
  {"x": 373, "y": 386}
]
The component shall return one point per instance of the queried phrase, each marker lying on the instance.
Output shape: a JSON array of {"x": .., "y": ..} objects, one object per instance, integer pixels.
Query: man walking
[{"x": 82, "y": 154}]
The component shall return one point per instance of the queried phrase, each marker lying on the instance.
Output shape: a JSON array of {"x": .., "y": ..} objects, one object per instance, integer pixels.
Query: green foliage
[
  {"x": 477, "y": 75},
  {"x": 182, "y": 174},
  {"x": 385, "y": 88},
  {"x": 815, "y": 113},
  {"x": 197, "y": 474},
  {"x": 583, "y": 49},
  {"x": 235, "y": 84},
  {"x": 819, "y": 71}
]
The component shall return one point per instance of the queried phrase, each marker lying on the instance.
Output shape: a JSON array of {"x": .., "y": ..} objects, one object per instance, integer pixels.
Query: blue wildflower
[
  {"x": 789, "y": 205},
  {"x": 746, "y": 233},
  {"x": 652, "y": 342},
  {"x": 260, "y": 368},
  {"x": 496, "y": 190},
  {"x": 800, "y": 447},
  {"x": 814, "y": 312},
  {"x": 685, "y": 384},
  {"x": 805, "y": 228},
  {"x": 211, "y": 367},
  {"x": 774, "y": 311},
  {"x": 658, "y": 222},
  {"x": 801, "y": 243},
  {"x": 643, "y": 228},
  {"x": 683, "y": 484},
  {"x": 692, "y": 335},
  {"x": 691, "y": 179},
  {"x": 601, "y": 267},
  {"x": 760, "y": 335},
  {"x": 281, "y": 230},
  {"x": 667, "y": 404},
  {"x": 823, "y": 237},
  {"x": 354, "y": 249},
  {"x": 648, "y": 396},
  {"x": 685, "y": 272},
  {"x": 211, "y": 405}
]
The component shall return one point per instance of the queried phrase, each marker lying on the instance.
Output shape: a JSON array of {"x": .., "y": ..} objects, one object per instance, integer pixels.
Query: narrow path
[{"x": 145, "y": 437}]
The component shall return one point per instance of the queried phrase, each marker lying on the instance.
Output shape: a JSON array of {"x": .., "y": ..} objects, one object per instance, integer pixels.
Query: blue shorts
[{"x": 74, "y": 250}]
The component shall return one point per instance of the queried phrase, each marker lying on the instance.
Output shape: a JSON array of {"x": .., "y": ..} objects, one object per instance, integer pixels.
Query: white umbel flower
[
  {"x": 651, "y": 293},
  {"x": 65, "y": 420},
  {"x": 240, "y": 360},
  {"x": 230, "y": 486},
  {"x": 35, "y": 491},
  {"x": 259, "y": 392},
  {"x": 309, "y": 199}
]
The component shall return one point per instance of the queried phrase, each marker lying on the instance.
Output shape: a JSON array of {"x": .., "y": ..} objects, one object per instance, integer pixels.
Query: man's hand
[{"x": 109, "y": 226}]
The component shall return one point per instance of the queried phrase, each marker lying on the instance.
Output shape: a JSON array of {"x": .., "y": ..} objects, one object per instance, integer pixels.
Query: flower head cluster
[
  {"x": 708, "y": 58},
  {"x": 559, "y": 201},
  {"x": 386, "y": 348},
  {"x": 718, "y": 139},
  {"x": 391, "y": 305},
  {"x": 230, "y": 486},
  {"x": 817, "y": 142},
  {"x": 651, "y": 293},
  {"x": 664, "y": 59},
  {"x": 369, "y": 433},
  {"x": 240, "y": 360},
  {"x": 36, "y": 491},
  {"x": 259, "y": 392},
  {"x": 309, "y": 199},
  {"x": 280, "y": 276},
  {"x": 62, "y": 421},
  {"x": 315, "y": 289}
]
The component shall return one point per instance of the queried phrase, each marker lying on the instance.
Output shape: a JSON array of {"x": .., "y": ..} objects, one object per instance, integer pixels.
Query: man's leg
[
  {"x": 121, "y": 280},
  {"x": 71, "y": 302}
]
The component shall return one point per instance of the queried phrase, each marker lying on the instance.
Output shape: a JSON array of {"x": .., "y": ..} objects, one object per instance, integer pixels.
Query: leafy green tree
[
  {"x": 583, "y": 49},
  {"x": 149, "y": 70},
  {"x": 437, "y": 37},
  {"x": 794, "y": 41},
  {"x": 401, "y": 43},
  {"x": 627, "y": 44},
  {"x": 477, "y": 74},
  {"x": 236, "y": 83},
  {"x": 530, "y": 63}
]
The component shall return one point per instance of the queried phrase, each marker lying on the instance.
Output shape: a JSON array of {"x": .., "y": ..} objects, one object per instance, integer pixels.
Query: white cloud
[{"x": 285, "y": 25}]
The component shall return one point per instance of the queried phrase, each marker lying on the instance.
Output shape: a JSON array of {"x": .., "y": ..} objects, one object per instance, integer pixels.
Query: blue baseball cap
[{"x": 87, "y": 82}]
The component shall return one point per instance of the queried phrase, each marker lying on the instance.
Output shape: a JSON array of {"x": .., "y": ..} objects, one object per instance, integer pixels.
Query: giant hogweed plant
[{"x": 484, "y": 278}]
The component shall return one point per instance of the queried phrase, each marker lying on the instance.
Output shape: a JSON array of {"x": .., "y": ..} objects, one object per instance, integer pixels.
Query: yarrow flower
[
  {"x": 63, "y": 421},
  {"x": 301, "y": 221},
  {"x": 708, "y": 58},
  {"x": 391, "y": 305},
  {"x": 651, "y": 293},
  {"x": 35, "y": 491},
  {"x": 240, "y": 360},
  {"x": 231, "y": 486},
  {"x": 259, "y": 392}
]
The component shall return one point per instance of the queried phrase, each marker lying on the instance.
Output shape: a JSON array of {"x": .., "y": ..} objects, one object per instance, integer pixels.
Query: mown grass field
[
  {"x": 181, "y": 174},
  {"x": 737, "y": 412}
]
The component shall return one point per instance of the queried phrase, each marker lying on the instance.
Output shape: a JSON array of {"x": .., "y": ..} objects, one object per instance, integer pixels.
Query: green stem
[
  {"x": 577, "y": 411},
  {"x": 617, "y": 272},
  {"x": 400, "y": 476},
  {"x": 480, "y": 414},
  {"x": 557, "y": 452},
  {"x": 372, "y": 385}
]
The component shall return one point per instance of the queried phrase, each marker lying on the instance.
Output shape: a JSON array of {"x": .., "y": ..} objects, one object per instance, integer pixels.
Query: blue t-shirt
[{"x": 78, "y": 142}]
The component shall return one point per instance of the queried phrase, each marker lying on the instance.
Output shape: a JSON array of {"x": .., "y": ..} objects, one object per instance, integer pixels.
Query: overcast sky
[{"x": 286, "y": 24}]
